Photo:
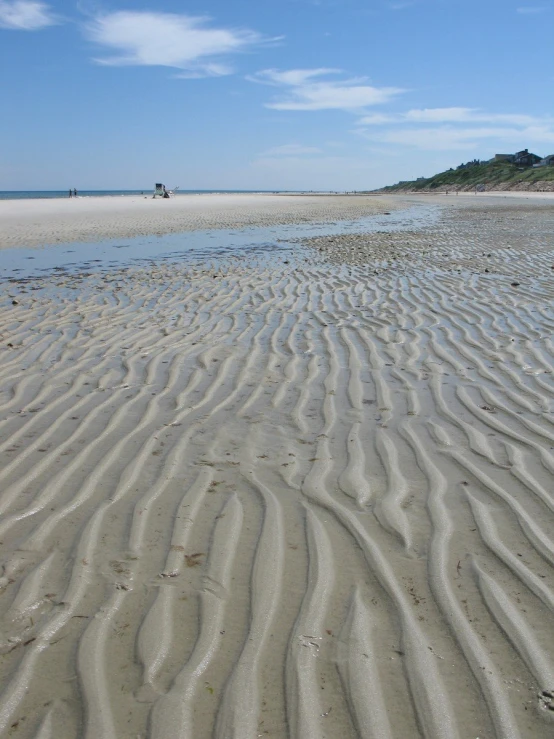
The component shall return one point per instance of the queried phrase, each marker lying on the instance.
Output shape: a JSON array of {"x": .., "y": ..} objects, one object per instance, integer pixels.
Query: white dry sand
[
  {"x": 300, "y": 497},
  {"x": 40, "y": 222}
]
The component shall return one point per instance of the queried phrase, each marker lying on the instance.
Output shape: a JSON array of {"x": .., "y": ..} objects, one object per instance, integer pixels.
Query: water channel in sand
[{"x": 195, "y": 245}]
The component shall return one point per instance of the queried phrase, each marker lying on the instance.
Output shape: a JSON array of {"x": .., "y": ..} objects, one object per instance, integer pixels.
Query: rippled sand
[{"x": 306, "y": 497}]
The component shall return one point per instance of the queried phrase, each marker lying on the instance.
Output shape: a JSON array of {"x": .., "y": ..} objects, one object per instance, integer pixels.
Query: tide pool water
[{"x": 216, "y": 243}]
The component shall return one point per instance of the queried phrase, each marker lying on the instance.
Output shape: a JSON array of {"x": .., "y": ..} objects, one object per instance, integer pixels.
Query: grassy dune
[{"x": 493, "y": 175}]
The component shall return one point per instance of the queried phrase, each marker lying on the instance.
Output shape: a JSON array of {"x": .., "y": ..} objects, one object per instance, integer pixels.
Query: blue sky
[{"x": 260, "y": 94}]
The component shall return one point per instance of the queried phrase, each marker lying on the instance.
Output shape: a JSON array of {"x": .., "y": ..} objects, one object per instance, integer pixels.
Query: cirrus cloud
[
  {"x": 444, "y": 138},
  {"x": 449, "y": 115},
  {"x": 456, "y": 128},
  {"x": 184, "y": 42},
  {"x": 25, "y": 15},
  {"x": 304, "y": 89}
]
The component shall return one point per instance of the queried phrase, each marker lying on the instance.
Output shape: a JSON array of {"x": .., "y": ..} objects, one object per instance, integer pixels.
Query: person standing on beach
[
  {"x": 74, "y": 192},
  {"x": 70, "y": 192}
]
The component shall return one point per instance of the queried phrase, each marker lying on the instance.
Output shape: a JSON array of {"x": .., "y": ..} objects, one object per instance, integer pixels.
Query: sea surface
[{"x": 41, "y": 194}]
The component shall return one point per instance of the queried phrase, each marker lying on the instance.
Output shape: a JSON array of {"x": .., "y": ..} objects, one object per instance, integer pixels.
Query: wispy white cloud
[
  {"x": 456, "y": 128},
  {"x": 25, "y": 15},
  {"x": 539, "y": 134},
  {"x": 304, "y": 89},
  {"x": 289, "y": 150},
  {"x": 450, "y": 115},
  {"x": 378, "y": 119},
  {"x": 445, "y": 138},
  {"x": 291, "y": 77},
  {"x": 188, "y": 43},
  {"x": 466, "y": 115},
  {"x": 531, "y": 9}
]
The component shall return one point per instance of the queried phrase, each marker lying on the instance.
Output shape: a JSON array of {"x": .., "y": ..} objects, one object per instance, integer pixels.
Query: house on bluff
[
  {"x": 546, "y": 162},
  {"x": 521, "y": 158},
  {"x": 526, "y": 159}
]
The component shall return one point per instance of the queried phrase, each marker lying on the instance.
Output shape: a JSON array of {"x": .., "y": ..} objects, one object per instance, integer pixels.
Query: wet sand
[
  {"x": 64, "y": 220},
  {"x": 304, "y": 496}
]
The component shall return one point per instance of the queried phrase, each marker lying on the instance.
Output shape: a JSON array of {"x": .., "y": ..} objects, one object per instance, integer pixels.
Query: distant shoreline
[
  {"x": 64, "y": 194},
  {"x": 146, "y": 192}
]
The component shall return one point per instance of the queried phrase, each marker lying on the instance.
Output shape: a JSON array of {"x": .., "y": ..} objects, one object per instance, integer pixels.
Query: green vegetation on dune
[{"x": 493, "y": 175}]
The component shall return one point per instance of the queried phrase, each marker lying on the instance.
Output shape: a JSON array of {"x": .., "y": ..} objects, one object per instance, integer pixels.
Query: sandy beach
[
  {"x": 302, "y": 494},
  {"x": 62, "y": 220}
]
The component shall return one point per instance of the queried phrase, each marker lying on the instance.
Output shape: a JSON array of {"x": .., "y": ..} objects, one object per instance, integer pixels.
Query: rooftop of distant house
[{"x": 525, "y": 158}]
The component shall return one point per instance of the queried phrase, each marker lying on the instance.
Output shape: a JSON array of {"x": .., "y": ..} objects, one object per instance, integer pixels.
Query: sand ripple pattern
[{"x": 285, "y": 500}]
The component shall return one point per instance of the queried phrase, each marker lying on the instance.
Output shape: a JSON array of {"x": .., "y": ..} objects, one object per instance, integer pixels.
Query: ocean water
[{"x": 38, "y": 194}]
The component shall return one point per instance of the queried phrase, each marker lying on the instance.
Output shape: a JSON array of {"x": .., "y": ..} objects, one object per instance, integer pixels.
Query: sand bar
[
  {"x": 64, "y": 220},
  {"x": 302, "y": 497}
]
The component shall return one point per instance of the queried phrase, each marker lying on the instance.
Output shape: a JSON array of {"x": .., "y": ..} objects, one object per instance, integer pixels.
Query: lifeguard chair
[{"x": 160, "y": 190}]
